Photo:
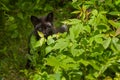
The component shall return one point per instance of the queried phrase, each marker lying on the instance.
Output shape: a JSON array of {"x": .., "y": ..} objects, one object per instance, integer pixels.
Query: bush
[{"x": 90, "y": 50}]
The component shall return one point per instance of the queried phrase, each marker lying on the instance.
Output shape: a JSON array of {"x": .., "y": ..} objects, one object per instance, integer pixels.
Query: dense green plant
[
  {"x": 90, "y": 50},
  {"x": 15, "y": 27}
]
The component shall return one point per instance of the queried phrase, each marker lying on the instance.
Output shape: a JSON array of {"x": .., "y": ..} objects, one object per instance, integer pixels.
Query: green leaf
[
  {"x": 39, "y": 43},
  {"x": 103, "y": 27},
  {"x": 40, "y": 34},
  {"x": 106, "y": 43},
  {"x": 95, "y": 12},
  {"x": 114, "y": 24},
  {"x": 37, "y": 77},
  {"x": 84, "y": 62},
  {"x": 12, "y": 27},
  {"x": 115, "y": 43},
  {"x": 61, "y": 44},
  {"x": 107, "y": 64},
  {"x": 72, "y": 21},
  {"x": 50, "y": 40},
  {"x": 20, "y": 15},
  {"x": 11, "y": 18},
  {"x": 33, "y": 40},
  {"x": 87, "y": 28},
  {"x": 75, "y": 31},
  {"x": 57, "y": 76},
  {"x": 53, "y": 61},
  {"x": 68, "y": 62},
  {"x": 93, "y": 63},
  {"x": 48, "y": 49},
  {"x": 114, "y": 13},
  {"x": 99, "y": 40}
]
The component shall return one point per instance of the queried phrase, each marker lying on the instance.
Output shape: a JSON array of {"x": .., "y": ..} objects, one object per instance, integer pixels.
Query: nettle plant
[{"x": 89, "y": 51}]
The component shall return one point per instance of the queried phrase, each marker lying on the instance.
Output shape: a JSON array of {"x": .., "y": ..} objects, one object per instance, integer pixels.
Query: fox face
[{"x": 43, "y": 24}]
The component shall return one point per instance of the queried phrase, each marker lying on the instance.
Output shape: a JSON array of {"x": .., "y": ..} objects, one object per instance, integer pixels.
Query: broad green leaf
[
  {"x": 76, "y": 52},
  {"x": 117, "y": 31},
  {"x": 57, "y": 76},
  {"x": 115, "y": 43},
  {"x": 107, "y": 64},
  {"x": 32, "y": 40},
  {"x": 68, "y": 63},
  {"x": 61, "y": 44},
  {"x": 20, "y": 15},
  {"x": 4, "y": 7},
  {"x": 74, "y": 1},
  {"x": 72, "y": 21},
  {"x": 87, "y": 28},
  {"x": 50, "y": 41},
  {"x": 95, "y": 12},
  {"x": 99, "y": 40},
  {"x": 114, "y": 13},
  {"x": 40, "y": 34},
  {"x": 36, "y": 77},
  {"x": 118, "y": 47},
  {"x": 11, "y": 18},
  {"x": 37, "y": 1},
  {"x": 76, "y": 12},
  {"x": 75, "y": 31},
  {"x": 103, "y": 27},
  {"x": 12, "y": 27},
  {"x": 84, "y": 62},
  {"x": 48, "y": 49},
  {"x": 106, "y": 43},
  {"x": 102, "y": 17},
  {"x": 53, "y": 61},
  {"x": 94, "y": 64},
  {"x": 114, "y": 24},
  {"x": 15, "y": 34},
  {"x": 39, "y": 42}
]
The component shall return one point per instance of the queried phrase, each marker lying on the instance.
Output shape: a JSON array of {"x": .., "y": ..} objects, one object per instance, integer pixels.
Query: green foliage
[{"x": 90, "y": 50}]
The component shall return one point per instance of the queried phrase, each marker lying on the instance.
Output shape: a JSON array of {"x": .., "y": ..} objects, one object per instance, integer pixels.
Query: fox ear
[
  {"x": 35, "y": 20},
  {"x": 49, "y": 17}
]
